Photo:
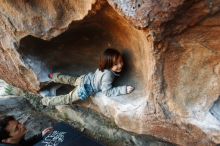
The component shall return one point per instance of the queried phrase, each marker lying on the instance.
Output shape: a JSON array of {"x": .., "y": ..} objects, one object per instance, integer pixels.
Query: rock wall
[{"x": 170, "y": 47}]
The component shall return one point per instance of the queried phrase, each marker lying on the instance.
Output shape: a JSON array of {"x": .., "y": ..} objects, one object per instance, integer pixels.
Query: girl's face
[{"x": 118, "y": 65}]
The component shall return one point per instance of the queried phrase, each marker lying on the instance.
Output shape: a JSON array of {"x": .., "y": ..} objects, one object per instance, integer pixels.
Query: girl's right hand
[{"x": 130, "y": 89}]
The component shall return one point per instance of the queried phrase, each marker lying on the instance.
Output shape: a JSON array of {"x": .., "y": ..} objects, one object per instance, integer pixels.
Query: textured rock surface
[
  {"x": 171, "y": 50},
  {"x": 88, "y": 122}
]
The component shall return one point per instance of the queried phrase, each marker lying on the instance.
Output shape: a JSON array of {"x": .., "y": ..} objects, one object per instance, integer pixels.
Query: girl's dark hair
[
  {"x": 4, "y": 120},
  {"x": 108, "y": 58}
]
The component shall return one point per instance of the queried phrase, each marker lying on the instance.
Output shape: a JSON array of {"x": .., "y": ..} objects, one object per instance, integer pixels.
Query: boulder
[{"x": 170, "y": 48}]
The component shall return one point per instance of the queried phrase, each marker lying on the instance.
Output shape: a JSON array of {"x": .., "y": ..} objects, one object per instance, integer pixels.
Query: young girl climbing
[{"x": 110, "y": 65}]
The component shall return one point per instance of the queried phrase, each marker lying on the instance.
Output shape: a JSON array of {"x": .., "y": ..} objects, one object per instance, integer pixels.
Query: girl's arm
[
  {"x": 108, "y": 90},
  {"x": 115, "y": 91}
]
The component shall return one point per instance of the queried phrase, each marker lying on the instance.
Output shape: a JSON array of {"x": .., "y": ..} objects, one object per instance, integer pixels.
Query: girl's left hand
[
  {"x": 130, "y": 89},
  {"x": 47, "y": 130}
]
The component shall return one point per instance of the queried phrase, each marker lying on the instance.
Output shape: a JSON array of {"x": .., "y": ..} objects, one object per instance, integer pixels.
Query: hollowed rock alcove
[{"x": 77, "y": 51}]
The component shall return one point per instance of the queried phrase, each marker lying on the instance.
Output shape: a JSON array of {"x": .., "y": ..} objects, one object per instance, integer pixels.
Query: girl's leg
[
  {"x": 62, "y": 99},
  {"x": 64, "y": 79}
]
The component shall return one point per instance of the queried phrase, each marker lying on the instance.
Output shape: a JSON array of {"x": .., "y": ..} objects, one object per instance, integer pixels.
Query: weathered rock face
[{"x": 171, "y": 54}]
